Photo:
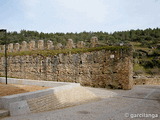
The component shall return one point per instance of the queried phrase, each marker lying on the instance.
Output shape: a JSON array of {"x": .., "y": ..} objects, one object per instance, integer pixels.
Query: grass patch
[
  {"x": 65, "y": 51},
  {"x": 135, "y": 43},
  {"x": 138, "y": 69}
]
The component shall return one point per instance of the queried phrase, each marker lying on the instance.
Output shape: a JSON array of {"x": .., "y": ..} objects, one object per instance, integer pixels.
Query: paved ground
[{"x": 140, "y": 103}]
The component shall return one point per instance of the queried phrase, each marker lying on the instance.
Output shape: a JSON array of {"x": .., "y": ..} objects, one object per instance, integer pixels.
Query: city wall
[{"x": 103, "y": 68}]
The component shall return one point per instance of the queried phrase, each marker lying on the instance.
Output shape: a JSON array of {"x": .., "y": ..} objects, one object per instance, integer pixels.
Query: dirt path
[{"x": 11, "y": 89}]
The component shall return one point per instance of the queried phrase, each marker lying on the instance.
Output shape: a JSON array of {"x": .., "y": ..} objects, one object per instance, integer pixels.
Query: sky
[{"x": 79, "y": 15}]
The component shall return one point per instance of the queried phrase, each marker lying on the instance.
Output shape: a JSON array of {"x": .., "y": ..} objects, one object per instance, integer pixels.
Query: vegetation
[
  {"x": 146, "y": 44},
  {"x": 46, "y": 53}
]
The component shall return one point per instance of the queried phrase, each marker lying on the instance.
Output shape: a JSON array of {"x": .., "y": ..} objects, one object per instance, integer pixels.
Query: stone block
[
  {"x": 41, "y": 44},
  {"x": 24, "y": 46},
  {"x": 80, "y": 44},
  {"x": 3, "y": 48},
  {"x": 19, "y": 108},
  {"x": 10, "y": 47},
  {"x": 16, "y": 47},
  {"x": 94, "y": 41},
  {"x": 70, "y": 44},
  {"x": 32, "y": 45},
  {"x": 50, "y": 45}
]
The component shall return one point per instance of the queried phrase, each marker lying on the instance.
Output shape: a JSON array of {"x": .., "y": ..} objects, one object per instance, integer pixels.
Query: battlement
[
  {"x": 95, "y": 65},
  {"x": 47, "y": 45}
]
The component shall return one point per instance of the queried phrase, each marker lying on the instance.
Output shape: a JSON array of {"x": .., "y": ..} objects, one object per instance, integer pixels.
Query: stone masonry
[
  {"x": 70, "y": 44},
  {"x": 97, "y": 69},
  {"x": 48, "y": 45},
  {"x": 94, "y": 41},
  {"x": 102, "y": 68}
]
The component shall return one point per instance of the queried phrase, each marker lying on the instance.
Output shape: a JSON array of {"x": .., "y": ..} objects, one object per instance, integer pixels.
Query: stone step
[{"x": 4, "y": 113}]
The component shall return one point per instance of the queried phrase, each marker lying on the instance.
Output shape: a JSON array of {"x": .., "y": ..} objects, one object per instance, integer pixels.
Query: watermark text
[{"x": 141, "y": 115}]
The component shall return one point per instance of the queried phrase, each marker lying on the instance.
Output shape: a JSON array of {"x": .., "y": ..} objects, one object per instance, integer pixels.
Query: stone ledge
[
  {"x": 66, "y": 95},
  {"x": 33, "y": 82}
]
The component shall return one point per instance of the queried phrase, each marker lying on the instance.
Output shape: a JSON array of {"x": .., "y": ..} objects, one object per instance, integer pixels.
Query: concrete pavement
[{"x": 140, "y": 103}]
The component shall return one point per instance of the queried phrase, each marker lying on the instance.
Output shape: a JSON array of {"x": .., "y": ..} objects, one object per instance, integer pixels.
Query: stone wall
[
  {"x": 102, "y": 68},
  {"x": 143, "y": 80},
  {"x": 47, "y": 45}
]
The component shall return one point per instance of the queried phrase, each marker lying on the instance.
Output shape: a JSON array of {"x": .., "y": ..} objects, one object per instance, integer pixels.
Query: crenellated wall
[
  {"x": 102, "y": 68},
  {"x": 41, "y": 45}
]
